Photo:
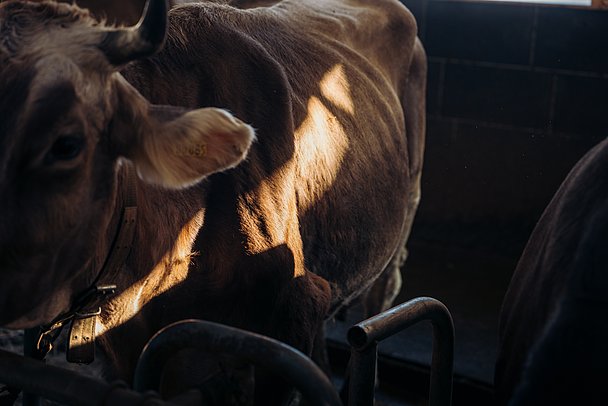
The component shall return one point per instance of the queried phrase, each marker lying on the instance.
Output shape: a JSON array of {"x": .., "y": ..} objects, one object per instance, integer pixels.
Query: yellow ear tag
[{"x": 192, "y": 150}]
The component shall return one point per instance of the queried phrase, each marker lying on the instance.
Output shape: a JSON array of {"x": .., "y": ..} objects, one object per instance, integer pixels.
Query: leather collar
[{"x": 83, "y": 313}]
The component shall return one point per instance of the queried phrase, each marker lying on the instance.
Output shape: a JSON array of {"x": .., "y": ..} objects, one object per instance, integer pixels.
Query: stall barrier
[
  {"x": 71, "y": 388},
  {"x": 364, "y": 337},
  {"x": 68, "y": 387},
  {"x": 292, "y": 365}
]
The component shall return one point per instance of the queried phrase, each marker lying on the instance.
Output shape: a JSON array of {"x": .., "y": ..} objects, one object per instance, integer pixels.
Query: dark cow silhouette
[
  {"x": 554, "y": 328},
  {"x": 270, "y": 222}
]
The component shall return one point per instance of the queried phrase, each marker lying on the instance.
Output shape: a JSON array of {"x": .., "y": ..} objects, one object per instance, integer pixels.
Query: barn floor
[{"x": 471, "y": 284}]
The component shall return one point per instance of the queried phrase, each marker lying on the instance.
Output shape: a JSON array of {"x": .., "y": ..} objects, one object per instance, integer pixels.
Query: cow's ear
[
  {"x": 174, "y": 147},
  {"x": 181, "y": 151}
]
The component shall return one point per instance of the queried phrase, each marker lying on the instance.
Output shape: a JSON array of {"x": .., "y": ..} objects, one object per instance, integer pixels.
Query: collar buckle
[{"x": 81, "y": 339}]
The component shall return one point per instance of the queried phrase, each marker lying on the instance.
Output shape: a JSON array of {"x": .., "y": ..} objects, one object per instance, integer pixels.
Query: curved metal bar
[
  {"x": 364, "y": 337},
  {"x": 65, "y": 386},
  {"x": 293, "y": 366}
]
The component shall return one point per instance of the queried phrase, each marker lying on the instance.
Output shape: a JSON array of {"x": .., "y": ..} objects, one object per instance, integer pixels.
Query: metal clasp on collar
[
  {"x": 95, "y": 293},
  {"x": 84, "y": 315},
  {"x": 81, "y": 341}
]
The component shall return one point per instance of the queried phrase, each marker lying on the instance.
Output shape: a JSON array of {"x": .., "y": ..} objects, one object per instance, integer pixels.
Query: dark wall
[{"x": 517, "y": 93}]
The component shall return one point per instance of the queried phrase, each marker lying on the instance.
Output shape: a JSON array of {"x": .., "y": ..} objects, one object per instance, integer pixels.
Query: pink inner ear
[
  {"x": 229, "y": 145},
  {"x": 225, "y": 138},
  {"x": 194, "y": 145}
]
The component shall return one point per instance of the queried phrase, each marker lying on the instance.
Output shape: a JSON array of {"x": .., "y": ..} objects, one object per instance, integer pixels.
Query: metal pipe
[
  {"x": 293, "y": 366},
  {"x": 363, "y": 338},
  {"x": 65, "y": 386},
  {"x": 362, "y": 375}
]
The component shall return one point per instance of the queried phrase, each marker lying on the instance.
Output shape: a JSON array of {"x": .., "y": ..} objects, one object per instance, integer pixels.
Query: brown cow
[
  {"x": 553, "y": 324},
  {"x": 319, "y": 209}
]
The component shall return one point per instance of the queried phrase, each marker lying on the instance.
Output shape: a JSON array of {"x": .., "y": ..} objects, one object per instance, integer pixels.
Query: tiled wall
[{"x": 517, "y": 93}]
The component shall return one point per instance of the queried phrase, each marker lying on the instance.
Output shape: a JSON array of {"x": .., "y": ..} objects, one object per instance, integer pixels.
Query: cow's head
[{"x": 67, "y": 118}]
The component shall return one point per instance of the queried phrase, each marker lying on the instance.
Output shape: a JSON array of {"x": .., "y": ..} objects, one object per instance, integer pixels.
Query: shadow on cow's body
[
  {"x": 553, "y": 323},
  {"x": 320, "y": 207}
]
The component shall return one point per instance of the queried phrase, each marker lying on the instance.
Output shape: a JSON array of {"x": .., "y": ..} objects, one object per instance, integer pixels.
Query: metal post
[
  {"x": 368, "y": 333},
  {"x": 293, "y": 366},
  {"x": 363, "y": 375}
]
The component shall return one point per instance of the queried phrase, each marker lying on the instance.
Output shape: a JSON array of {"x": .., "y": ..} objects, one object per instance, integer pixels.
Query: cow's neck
[
  {"x": 120, "y": 235},
  {"x": 98, "y": 279},
  {"x": 167, "y": 225}
]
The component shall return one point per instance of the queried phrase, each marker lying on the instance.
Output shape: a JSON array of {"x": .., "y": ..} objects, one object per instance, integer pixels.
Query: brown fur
[
  {"x": 120, "y": 12},
  {"x": 306, "y": 223}
]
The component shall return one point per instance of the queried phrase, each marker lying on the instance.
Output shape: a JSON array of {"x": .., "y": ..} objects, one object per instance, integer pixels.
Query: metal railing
[
  {"x": 364, "y": 337},
  {"x": 71, "y": 388},
  {"x": 65, "y": 386},
  {"x": 292, "y": 365}
]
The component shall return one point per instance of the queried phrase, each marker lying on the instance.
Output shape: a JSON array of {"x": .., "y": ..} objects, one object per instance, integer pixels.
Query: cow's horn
[{"x": 123, "y": 45}]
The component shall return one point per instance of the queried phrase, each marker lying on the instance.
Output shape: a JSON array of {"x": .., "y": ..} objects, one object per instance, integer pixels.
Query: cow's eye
[{"x": 65, "y": 148}]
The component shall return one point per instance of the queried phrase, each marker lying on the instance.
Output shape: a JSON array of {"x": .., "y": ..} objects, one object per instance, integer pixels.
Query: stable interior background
[{"x": 517, "y": 93}]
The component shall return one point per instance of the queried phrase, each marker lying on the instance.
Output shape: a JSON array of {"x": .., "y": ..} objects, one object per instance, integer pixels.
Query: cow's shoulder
[
  {"x": 211, "y": 58},
  {"x": 382, "y": 30}
]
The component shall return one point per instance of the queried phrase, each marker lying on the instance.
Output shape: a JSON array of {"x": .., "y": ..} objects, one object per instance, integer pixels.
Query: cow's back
[{"x": 382, "y": 31}]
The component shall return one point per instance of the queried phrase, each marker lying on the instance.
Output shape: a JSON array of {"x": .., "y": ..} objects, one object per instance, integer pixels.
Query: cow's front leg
[{"x": 301, "y": 308}]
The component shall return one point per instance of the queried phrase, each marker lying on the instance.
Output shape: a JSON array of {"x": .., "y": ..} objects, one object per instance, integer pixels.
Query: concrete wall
[{"x": 517, "y": 93}]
